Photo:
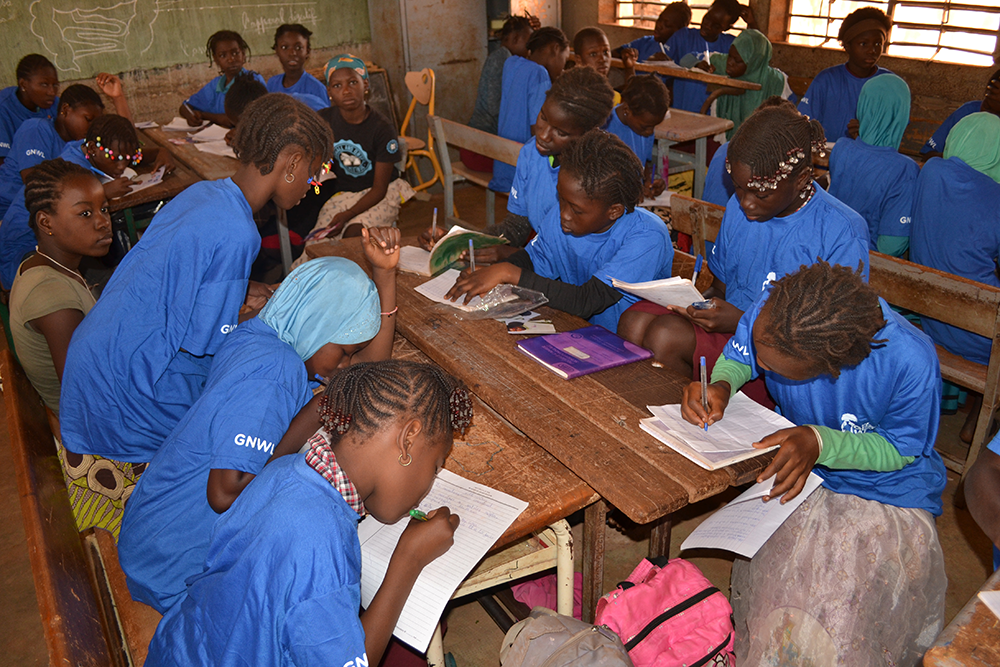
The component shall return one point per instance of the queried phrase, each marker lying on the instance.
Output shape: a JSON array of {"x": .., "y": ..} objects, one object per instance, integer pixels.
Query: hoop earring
[
  {"x": 289, "y": 177},
  {"x": 409, "y": 460}
]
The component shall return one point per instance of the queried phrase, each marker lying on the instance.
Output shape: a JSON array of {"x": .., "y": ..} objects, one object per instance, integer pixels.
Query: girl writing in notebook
[
  {"x": 282, "y": 580},
  {"x": 595, "y": 234},
  {"x": 229, "y": 51},
  {"x": 863, "y": 386},
  {"x": 324, "y": 317}
]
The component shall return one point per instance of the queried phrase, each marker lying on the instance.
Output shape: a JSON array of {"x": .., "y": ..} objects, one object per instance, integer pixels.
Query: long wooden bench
[
  {"x": 88, "y": 617},
  {"x": 449, "y": 133}
]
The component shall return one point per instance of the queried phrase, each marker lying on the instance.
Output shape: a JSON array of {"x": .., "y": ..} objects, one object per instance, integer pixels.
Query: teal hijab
[
  {"x": 755, "y": 51},
  {"x": 884, "y": 111},
  {"x": 325, "y": 300},
  {"x": 975, "y": 140}
]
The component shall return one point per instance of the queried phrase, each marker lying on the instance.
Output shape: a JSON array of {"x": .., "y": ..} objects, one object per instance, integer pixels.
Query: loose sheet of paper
[
  {"x": 178, "y": 124},
  {"x": 744, "y": 423},
  {"x": 662, "y": 201},
  {"x": 435, "y": 289},
  {"x": 216, "y": 148},
  {"x": 745, "y": 524},
  {"x": 146, "y": 125},
  {"x": 211, "y": 133},
  {"x": 992, "y": 601},
  {"x": 143, "y": 181},
  {"x": 674, "y": 291},
  {"x": 485, "y": 514}
]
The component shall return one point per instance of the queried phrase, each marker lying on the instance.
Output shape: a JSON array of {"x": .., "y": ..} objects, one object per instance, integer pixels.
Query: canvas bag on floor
[{"x": 548, "y": 639}]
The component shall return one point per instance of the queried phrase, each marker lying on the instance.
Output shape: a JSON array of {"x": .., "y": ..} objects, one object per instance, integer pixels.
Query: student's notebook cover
[{"x": 581, "y": 352}]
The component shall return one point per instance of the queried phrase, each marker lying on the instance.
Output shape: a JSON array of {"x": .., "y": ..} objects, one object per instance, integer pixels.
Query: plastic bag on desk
[{"x": 503, "y": 301}]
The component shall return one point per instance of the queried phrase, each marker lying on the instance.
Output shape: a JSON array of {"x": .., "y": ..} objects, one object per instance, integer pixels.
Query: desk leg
[
  {"x": 284, "y": 241},
  {"x": 659, "y": 537},
  {"x": 594, "y": 520},
  {"x": 700, "y": 165}
]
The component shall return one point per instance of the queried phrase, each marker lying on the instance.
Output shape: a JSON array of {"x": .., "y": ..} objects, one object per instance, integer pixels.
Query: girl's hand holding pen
[
  {"x": 722, "y": 317},
  {"x": 423, "y": 541},
  {"x": 692, "y": 409},
  {"x": 479, "y": 282}
]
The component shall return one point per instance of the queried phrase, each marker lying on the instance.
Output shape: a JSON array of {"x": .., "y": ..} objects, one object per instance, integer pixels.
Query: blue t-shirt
[
  {"x": 640, "y": 145},
  {"x": 533, "y": 192},
  {"x": 523, "y": 93},
  {"x": 312, "y": 101},
  {"x": 16, "y": 239},
  {"x": 256, "y": 385},
  {"x": 936, "y": 142},
  {"x": 281, "y": 584},
  {"x": 748, "y": 255},
  {"x": 13, "y": 113},
  {"x": 73, "y": 152},
  {"x": 956, "y": 228},
  {"x": 832, "y": 99},
  {"x": 876, "y": 181},
  {"x": 718, "y": 183},
  {"x": 35, "y": 141},
  {"x": 138, "y": 361},
  {"x": 647, "y": 46},
  {"x": 895, "y": 392},
  {"x": 306, "y": 85},
  {"x": 636, "y": 249},
  {"x": 690, "y": 95},
  {"x": 212, "y": 96}
]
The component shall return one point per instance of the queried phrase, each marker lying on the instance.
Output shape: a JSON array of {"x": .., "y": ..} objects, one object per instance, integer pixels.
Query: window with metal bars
[{"x": 644, "y": 14}]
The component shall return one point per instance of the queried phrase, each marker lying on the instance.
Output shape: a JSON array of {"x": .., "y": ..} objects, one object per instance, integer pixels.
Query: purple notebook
[{"x": 582, "y": 352}]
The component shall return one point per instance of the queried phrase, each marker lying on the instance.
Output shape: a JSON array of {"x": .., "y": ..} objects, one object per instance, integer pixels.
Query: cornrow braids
[
  {"x": 225, "y": 36},
  {"x": 297, "y": 28},
  {"x": 732, "y": 8},
  {"x": 31, "y": 63},
  {"x": 778, "y": 101},
  {"x": 275, "y": 121},
  {"x": 365, "y": 396},
  {"x": 862, "y": 14},
  {"x": 79, "y": 95},
  {"x": 545, "y": 36},
  {"x": 682, "y": 8},
  {"x": 513, "y": 25},
  {"x": 608, "y": 170},
  {"x": 244, "y": 90},
  {"x": 646, "y": 94},
  {"x": 585, "y": 94},
  {"x": 43, "y": 186},
  {"x": 776, "y": 143},
  {"x": 114, "y": 131},
  {"x": 825, "y": 314},
  {"x": 584, "y": 35}
]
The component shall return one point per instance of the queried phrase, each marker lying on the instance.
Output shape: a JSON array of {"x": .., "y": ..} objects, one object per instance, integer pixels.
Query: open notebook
[
  {"x": 674, "y": 291},
  {"x": 485, "y": 514}
]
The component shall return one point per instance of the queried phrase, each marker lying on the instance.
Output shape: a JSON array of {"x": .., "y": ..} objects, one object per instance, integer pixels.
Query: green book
[{"x": 445, "y": 252}]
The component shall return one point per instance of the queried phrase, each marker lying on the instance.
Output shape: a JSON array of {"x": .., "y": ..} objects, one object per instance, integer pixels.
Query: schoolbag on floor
[
  {"x": 548, "y": 639},
  {"x": 670, "y": 616}
]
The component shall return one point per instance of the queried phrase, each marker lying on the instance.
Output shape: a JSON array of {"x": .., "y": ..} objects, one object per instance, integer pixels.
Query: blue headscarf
[
  {"x": 325, "y": 300},
  {"x": 884, "y": 111}
]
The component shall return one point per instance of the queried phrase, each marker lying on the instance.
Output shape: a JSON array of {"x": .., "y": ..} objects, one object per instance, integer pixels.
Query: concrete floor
[{"x": 472, "y": 637}]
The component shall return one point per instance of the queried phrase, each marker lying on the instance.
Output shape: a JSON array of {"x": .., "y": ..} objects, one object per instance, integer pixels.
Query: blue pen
[
  {"x": 697, "y": 269},
  {"x": 472, "y": 256},
  {"x": 704, "y": 388}
]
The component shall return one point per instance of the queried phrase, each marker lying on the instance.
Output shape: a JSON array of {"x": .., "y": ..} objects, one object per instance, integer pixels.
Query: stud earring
[
  {"x": 289, "y": 177},
  {"x": 409, "y": 460}
]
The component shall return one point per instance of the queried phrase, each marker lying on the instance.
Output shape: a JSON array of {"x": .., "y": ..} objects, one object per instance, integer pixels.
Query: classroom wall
[{"x": 937, "y": 88}]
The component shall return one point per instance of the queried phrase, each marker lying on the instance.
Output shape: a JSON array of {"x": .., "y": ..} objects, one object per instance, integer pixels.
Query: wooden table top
[
  {"x": 683, "y": 126},
  {"x": 493, "y": 453},
  {"x": 206, "y": 166},
  {"x": 172, "y": 185},
  {"x": 589, "y": 424},
  {"x": 972, "y": 638},
  {"x": 691, "y": 74}
]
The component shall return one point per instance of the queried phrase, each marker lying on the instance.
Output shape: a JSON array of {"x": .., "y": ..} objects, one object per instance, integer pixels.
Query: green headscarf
[
  {"x": 884, "y": 111},
  {"x": 975, "y": 140},
  {"x": 755, "y": 50}
]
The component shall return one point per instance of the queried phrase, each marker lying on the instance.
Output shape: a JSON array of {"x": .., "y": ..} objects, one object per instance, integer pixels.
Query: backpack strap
[
  {"x": 670, "y": 613},
  {"x": 713, "y": 653}
]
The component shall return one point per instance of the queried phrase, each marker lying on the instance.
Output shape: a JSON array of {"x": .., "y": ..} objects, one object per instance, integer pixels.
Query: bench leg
[
  {"x": 491, "y": 203},
  {"x": 435, "y": 652},
  {"x": 594, "y": 519},
  {"x": 564, "y": 567},
  {"x": 659, "y": 537},
  {"x": 449, "y": 197},
  {"x": 700, "y": 165}
]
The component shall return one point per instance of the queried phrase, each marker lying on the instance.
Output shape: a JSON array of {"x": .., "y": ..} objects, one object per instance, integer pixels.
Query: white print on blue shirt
[
  {"x": 352, "y": 157},
  {"x": 513, "y": 192},
  {"x": 358, "y": 662},
  {"x": 849, "y": 424},
  {"x": 742, "y": 349},
  {"x": 771, "y": 275},
  {"x": 261, "y": 444},
  {"x": 228, "y": 328},
  {"x": 905, "y": 220},
  {"x": 35, "y": 151}
]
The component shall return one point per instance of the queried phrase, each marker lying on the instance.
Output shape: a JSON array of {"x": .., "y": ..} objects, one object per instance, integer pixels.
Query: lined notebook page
[
  {"x": 435, "y": 289},
  {"x": 744, "y": 423},
  {"x": 485, "y": 514}
]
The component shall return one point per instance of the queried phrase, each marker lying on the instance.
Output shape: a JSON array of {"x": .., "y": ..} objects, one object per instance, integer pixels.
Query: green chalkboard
[{"x": 83, "y": 37}]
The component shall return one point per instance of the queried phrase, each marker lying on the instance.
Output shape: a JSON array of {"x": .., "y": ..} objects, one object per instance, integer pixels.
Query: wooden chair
[
  {"x": 449, "y": 133},
  {"x": 959, "y": 302},
  {"x": 699, "y": 219},
  {"x": 421, "y": 87}
]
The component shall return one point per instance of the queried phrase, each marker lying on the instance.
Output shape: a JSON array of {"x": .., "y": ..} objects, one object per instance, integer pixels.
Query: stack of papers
[
  {"x": 178, "y": 124},
  {"x": 725, "y": 442},
  {"x": 146, "y": 125},
  {"x": 210, "y": 133}
]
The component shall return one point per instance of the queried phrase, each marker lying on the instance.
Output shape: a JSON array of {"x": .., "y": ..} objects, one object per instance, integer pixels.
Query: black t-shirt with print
[{"x": 358, "y": 147}]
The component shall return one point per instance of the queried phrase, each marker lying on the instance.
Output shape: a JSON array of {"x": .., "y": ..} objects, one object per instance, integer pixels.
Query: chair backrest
[
  {"x": 421, "y": 86},
  {"x": 448, "y": 132},
  {"x": 699, "y": 219}
]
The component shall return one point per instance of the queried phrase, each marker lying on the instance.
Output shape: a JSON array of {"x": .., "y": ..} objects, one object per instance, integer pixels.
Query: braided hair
[
  {"x": 545, "y": 36},
  {"x": 646, "y": 94},
  {"x": 824, "y": 314},
  {"x": 244, "y": 90},
  {"x": 43, "y": 186},
  {"x": 732, "y": 8},
  {"x": 79, "y": 95},
  {"x": 776, "y": 142},
  {"x": 297, "y": 28},
  {"x": 111, "y": 130},
  {"x": 584, "y": 94},
  {"x": 363, "y": 397},
  {"x": 682, "y": 8},
  {"x": 225, "y": 36},
  {"x": 272, "y": 123},
  {"x": 608, "y": 170},
  {"x": 863, "y": 14},
  {"x": 30, "y": 64},
  {"x": 513, "y": 25}
]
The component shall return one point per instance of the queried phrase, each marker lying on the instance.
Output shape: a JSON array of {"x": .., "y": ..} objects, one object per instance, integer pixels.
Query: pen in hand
[
  {"x": 418, "y": 515},
  {"x": 704, "y": 389}
]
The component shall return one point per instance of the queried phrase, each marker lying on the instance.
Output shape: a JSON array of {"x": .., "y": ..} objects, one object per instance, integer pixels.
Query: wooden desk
[
  {"x": 682, "y": 126},
  {"x": 589, "y": 424},
  {"x": 171, "y": 186},
  {"x": 691, "y": 74},
  {"x": 972, "y": 638}
]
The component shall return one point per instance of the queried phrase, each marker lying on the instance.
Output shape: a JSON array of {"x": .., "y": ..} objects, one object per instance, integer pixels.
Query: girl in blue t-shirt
[
  {"x": 36, "y": 91},
  {"x": 139, "y": 361},
  {"x": 291, "y": 45},
  {"x": 645, "y": 102},
  {"x": 990, "y": 104},
  {"x": 282, "y": 580},
  {"x": 229, "y": 51},
  {"x": 595, "y": 234},
  {"x": 862, "y": 386},
  {"x": 324, "y": 317}
]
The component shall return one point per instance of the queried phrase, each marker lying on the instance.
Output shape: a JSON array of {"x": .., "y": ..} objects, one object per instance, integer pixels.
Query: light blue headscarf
[
  {"x": 883, "y": 111},
  {"x": 325, "y": 300}
]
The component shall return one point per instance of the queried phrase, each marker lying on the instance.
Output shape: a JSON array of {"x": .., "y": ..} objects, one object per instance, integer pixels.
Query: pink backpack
[{"x": 670, "y": 616}]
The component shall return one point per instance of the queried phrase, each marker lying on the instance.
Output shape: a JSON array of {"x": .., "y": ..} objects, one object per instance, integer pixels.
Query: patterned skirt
[{"x": 98, "y": 489}]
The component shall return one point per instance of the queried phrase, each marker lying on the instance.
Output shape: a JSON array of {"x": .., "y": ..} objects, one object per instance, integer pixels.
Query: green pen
[{"x": 418, "y": 515}]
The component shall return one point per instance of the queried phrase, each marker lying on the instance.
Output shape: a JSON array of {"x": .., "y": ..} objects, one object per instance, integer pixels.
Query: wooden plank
[
  {"x": 972, "y": 639},
  {"x": 690, "y": 74},
  {"x": 961, "y": 371},
  {"x": 594, "y": 522},
  {"x": 683, "y": 126},
  {"x": 477, "y": 141},
  {"x": 204, "y": 165},
  {"x": 172, "y": 185}
]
